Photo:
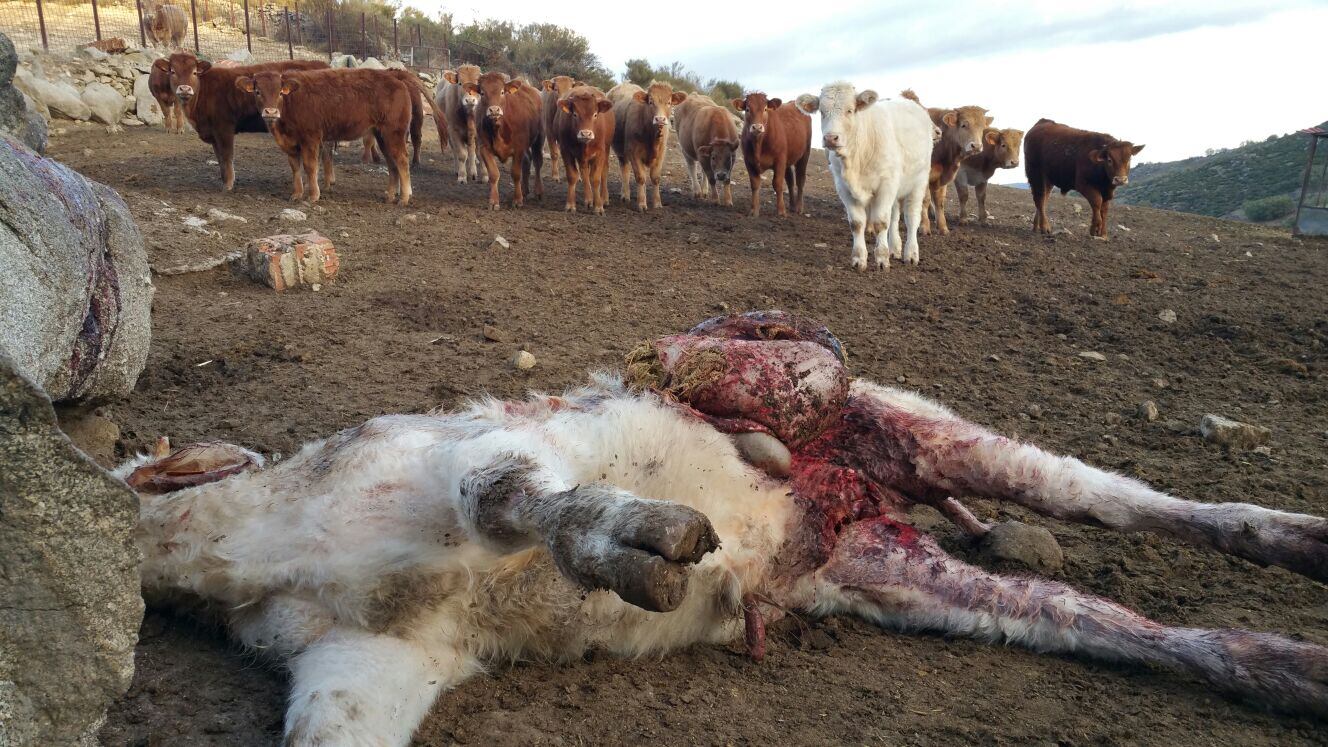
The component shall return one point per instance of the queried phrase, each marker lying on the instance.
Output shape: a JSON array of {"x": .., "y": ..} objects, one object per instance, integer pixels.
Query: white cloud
[{"x": 1181, "y": 76}]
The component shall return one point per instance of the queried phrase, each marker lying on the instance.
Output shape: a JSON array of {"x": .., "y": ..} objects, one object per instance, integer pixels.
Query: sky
[{"x": 1180, "y": 76}]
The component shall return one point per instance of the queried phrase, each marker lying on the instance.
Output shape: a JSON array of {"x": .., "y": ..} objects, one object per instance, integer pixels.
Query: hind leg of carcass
[
  {"x": 957, "y": 457},
  {"x": 898, "y": 578}
]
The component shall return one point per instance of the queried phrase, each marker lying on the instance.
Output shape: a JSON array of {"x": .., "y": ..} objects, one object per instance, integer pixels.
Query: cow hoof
[
  {"x": 599, "y": 211},
  {"x": 570, "y": 209},
  {"x": 860, "y": 265},
  {"x": 495, "y": 206},
  {"x": 882, "y": 264}
]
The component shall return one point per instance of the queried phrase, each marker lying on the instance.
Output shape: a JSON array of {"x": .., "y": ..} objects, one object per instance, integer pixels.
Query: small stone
[
  {"x": 901, "y": 379},
  {"x": 408, "y": 218},
  {"x": 994, "y": 358},
  {"x": 1264, "y": 450},
  {"x": 1160, "y": 383},
  {"x": 1017, "y": 542},
  {"x": 1232, "y": 433},
  {"x": 1067, "y": 233},
  {"x": 1112, "y": 418},
  {"x": 820, "y": 245},
  {"x": 496, "y": 334},
  {"x": 1148, "y": 410},
  {"x": 1092, "y": 355},
  {"x": 291, "y": 215},
  {"x": 817, "y": 639},
  {"x": 694, "y": 238},
  {"x": 500, "y": 243},
  {"x": 216, "y": 216},
  {"x": 1121, "y": 227},
  {"x": 195, "y": 222},
  {"x": 1034, "y": 411},
  {"x": 1078, "y": 208},
  {"x": 1214, "y": 238},
  {"x": 523, "y": 361},
  {"x": 1167, "y": 315},
  {"x": 1292, "y": 367},
  {"x": 87, "y": 152}
]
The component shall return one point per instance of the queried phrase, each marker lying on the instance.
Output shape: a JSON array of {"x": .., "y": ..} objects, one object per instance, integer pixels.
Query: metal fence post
[
  {"x": 96, "y": 20},
  {"x": 41, "y": 21},
  {"x": 248, "y": 38},
  {"x": 290, "y": 44},
  {"x": 396, "y": 44},
  {"x": 142, "y": 34},
  {"x": 330, "y": 29},
  {"x": 299, "y": 24},
  {"x": 377, "y": 37},
  {"x": 193, "y": 16},
  {"x": 363, "y": 52},
  {"x": 262, "y": 20}
]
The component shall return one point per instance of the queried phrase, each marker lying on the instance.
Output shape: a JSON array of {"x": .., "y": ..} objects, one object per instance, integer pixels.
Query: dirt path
[{"x": 991, "y": 323}]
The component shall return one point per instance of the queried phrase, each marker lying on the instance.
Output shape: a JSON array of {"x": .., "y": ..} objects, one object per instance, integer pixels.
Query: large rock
[
  {"x": 1232, "y": 433},
  {"x": 60, "y": 98},
  {"x": 1017, "y": 542},
  {"x": 145, "y": 105},
  {"x": 372, "y": 63},
  {"x": 69, "y": 587},
  {"x": 16, "y": 118},
  {"x": 75, "y": 291},
  {"x": 106, "y": 103}
]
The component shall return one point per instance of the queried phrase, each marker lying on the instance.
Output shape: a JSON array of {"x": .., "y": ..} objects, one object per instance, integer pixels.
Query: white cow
[{"x": 880, "y": 155}]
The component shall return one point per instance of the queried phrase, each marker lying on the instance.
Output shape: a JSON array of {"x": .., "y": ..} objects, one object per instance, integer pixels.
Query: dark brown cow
[
  {"x": 302, "y": 109},
  {"x": 584, "y": 128},
  {"x": 552, "y": 91},
  {"x": 419, "y": 103},
  {"x": 641, "y": 134},
  {"x": 778, "y": 137},
  {"x": 510, "y": 129},
  {"x": 1000, "y": 150},
  {"x": 961, "y": 136},
  {"x": 159, "y": 85},
  {"x": 215, "y": 107},
  {"x": 1093, "y": 164}
]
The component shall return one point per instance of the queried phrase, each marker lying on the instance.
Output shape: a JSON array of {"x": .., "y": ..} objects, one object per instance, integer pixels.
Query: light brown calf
[
  {"x": 458, "y": 104},
  {"x": 641, "y": 135},
  {"x": 551, "y": 92},
  {"x": 510, "y": 129},
  {"x": 961, "y": 137},
  {"x": 709, "y": 140},
  {"x": 584, "y": 128},
  {"x": 1000, "y": 150},
  {"x": 159, "y": 85}
]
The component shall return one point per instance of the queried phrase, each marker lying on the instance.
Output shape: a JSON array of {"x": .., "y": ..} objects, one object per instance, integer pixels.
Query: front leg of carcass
[{"x": 600, "y": 537}]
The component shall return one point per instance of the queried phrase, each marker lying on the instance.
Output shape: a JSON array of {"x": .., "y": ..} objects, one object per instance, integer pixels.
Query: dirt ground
[{"x": 992, "y": 323}]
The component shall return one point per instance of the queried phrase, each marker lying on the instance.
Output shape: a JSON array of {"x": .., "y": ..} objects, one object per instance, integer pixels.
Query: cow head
[
  {"x": 184, "y": 70},
  {"x": 1003, "y": 145},
  {"x": 660, "y": 98},
  {"x": 270, "y": 89},
  {"x": 964, "y": 128},
  {"x": 1114, "y": 158},
  {"x": 839, "y": 104},
  {"x": 756, "y": 108},
  {"x": 493, "y": 90},
  {"x": 720, "y": 152},
  {"x": 584, "y": 104},
  {"x": 559, "y": 84},
  {"x": 468, "y": 77}
]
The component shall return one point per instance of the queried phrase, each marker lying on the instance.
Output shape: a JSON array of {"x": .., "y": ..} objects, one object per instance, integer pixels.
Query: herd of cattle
[{"x": 890, "y": 159}]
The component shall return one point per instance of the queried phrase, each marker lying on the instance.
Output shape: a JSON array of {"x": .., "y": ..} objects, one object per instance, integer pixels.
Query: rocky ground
[{"x": 1194, "y": 315}]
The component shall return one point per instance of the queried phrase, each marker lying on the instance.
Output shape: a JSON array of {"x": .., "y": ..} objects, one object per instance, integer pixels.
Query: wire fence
[{"x": 269, "y": 31}]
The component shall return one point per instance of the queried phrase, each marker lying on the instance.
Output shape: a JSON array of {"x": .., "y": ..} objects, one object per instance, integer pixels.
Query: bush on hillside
[
  {"x": 641, "y": 72},
  {"x": 1269, "y": 208}
]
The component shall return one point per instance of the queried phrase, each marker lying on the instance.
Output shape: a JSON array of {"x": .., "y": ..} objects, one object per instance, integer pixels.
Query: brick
[{"x": 287, "y": 261}]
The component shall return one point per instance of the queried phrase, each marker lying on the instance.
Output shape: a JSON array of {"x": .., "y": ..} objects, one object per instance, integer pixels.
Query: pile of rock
[{"x": 110, "y": 88}]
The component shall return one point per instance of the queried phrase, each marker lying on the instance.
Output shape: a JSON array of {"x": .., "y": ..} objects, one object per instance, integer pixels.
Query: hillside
[{"x": 1221, "y": 183}]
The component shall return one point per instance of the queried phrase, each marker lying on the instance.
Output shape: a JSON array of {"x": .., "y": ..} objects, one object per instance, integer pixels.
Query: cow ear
[
  {"x": 450, "y": 76},
  {"x": 1135, "y": 150},
  {"x": 775, "y": 103},
  {"x": 203, "y": 67},
  {"x": 677, "y": 98},
  {"x": 809, "y": 103},
  {"x": 739, "y": 104},
  {"x": 866, "y": 99},
  {"x": 512, "y": 86},
  {"x": 950, "y": 118},
  {"x": 565, "y": 105},
  {"x": 992, "y": 137},
  {"x": 288, "y": 85},
  {"x": 245, "y": 84},
  {"x": 603, "y": 105},
  {"x": 471, "y": 88},
  {"x": 162, "y": 64},
  {"x": 990, "y": 120},
  {"x": 640, "y": 97},
  {"x": 1097, "y": 155},
  {"x": 547, "y": 85},
  {"x": 704, "y": 150}
]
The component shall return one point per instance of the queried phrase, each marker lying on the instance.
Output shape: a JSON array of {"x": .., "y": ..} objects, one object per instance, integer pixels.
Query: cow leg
[
  {"x": 573, "y": 175},
  {"x": 800, "y": 181},
  {"x": 1094, "y": 197},
  {"x": 692, "y": 180},
  {"x": 656, "y": 175},
  {"x": 224, "y": 148},
  {"x": 779, "y": 177},
  {"x": 401, "y": 158},
  {"x": 883, "y": 220},
  {"x": 728, "y": 193},
  {"x": 912, "y": 217},
  {"x": 309, "y": 154},
  {"x": 981, "y": 191},
  {"x": 639, "y": 174},
  {"x": 756, "y": 209},
  {"x": 555, "y": 155},
  {"x": 961, "y": 194},
  {"x": 926, "y": 218},
  {"x": 857, "y": 221},
  {"x": 491, "y": 170},
  {"x": 1102, "y": 210},
  {"x": 956, "y": 457},
  {"x": 537, "y": 156},
  {"x": 1040, "y": 190},
  {"x": 353, "y": 687},
  {"x": 297, "y": 176},
  {"x": 520, "y": 179},
  {"x": 938, "y": 203},
  {"x": 602, "y": 169},
  {"x": 892, "y": 575},
  {"x": 329, "y": 165}
]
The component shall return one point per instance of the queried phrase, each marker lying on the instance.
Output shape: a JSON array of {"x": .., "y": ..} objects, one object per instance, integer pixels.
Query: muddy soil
[{"x": 993, "y": 323}]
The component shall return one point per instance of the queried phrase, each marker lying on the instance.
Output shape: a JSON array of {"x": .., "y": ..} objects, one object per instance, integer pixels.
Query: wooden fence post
[
  {"x": 96, "y": 20},
  {"x": 299, "y": 25},
  {"x": 363, "y": 52},
  {"x": 142, "y": 34},
  {"x": 290, "y": 43},
  {"x": 193, "y": 15},
  {"x": 41, "y": 21},
  {"x": 248, "y": 37},
  {"x": 330, "y": 30}
]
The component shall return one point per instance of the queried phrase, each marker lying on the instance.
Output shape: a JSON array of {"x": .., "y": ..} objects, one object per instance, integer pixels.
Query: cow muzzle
[
  {"x": 1012, "y": 164},
  {"x": 271, "y": 113},
  {"x": 661, "y": 122},
  {"x": 722, "y": 177},
  {"x": 832, "y": 141},
  {"x": 758, "y": 129},
  {"x": 184, "y": 92},
  {"x": 585, "y": 136},
  {"x": 972, "y": 149},
  {"x": 1120, "y": 181},
  {"x": 494, "y": 112}
]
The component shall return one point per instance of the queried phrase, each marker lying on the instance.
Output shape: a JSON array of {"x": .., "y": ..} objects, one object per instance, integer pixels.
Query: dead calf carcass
[{"x": 393, "y": 560}]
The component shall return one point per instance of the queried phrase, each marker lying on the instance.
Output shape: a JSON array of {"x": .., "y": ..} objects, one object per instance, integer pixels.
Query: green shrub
[{"x": 1269, "y": 208}]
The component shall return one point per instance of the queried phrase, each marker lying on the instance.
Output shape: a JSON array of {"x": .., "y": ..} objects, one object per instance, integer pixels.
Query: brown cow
[
  {"x": 1000, "y": 150},
  {"x": 1091, "y": 163},
  {"x": 961, "y": 137},
  {"x": 641, "y": 134},
  {"x": 584, "y": 126},
  {"x": 709, "y": 139},
  {"x": 510, "y": 129},
  {"x": 302, "y": 109},
  {"x": 775, "y": 136},
  {"x": 159, "y": 85},
  {"x": 458, "y": 102},
  {"x": 552, "y": 91},
  {"x": 215, "y": 107}
]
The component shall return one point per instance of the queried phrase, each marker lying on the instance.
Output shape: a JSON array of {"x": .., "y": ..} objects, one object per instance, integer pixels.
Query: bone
[{"x": 765, "y": 452}]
